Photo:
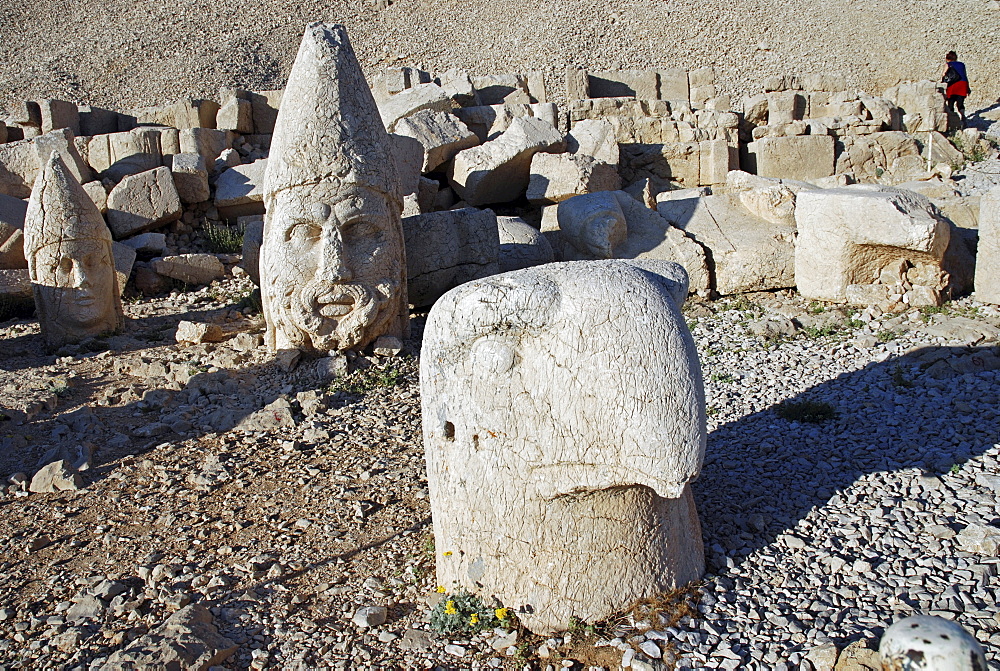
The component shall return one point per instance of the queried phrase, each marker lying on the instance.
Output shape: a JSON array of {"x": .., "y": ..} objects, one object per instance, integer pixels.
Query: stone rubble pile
[{"x": 461, "y": 140}]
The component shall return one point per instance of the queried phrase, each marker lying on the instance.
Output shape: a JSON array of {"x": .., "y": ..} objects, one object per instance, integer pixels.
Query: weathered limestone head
[
  {"x": 332, "y": 266},
  {"x": 564, "y": 416},
  {"x": 68, "y": 248}
]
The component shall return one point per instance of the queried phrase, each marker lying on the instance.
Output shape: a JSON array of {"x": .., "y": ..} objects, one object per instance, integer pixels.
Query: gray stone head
[
  {"x": 68, "y": 249},
  {"x": 332, "y": 266}
]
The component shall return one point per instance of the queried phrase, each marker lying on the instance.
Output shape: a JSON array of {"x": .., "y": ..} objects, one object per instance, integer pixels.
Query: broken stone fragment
[
  {"x": 190, "y": 177},
  {"x": 58, "y": 476},
  {"x": 556, "y": 177},
  {"x": 12, "y": 213},
  {"x": 498, "y": 171},
  {"x": 191, "y": 268},
  {"x": 440, "y": 134},
  {"x": 143, "y": 202},
  {"x": 521, "y": 245},
  {"x": 192, "y": 333},
  {"x": 445, "y": 249},
  {"x": 412, "y": 100},
  {"x": 239, "y": 191}
]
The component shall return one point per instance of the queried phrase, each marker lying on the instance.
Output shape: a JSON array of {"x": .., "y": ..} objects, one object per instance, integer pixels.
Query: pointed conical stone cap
[
  {"x": 58, "y": 210},
  {"x": 329, "y": 128}
]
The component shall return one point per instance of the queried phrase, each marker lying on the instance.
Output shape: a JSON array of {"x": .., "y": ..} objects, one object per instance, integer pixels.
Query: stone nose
[
  {"x": 80, "y": 277},
  {"x": 333, "y": 263}
]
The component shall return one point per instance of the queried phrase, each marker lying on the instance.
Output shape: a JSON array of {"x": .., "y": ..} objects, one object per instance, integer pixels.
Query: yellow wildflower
[
  {"x": 474, "y": 618},
  {"x": 441, "y": 589},
  {"x": 449, "y": 608},
  {"x": 447, "y": 553},
  {"x": 501, "y": 613}
]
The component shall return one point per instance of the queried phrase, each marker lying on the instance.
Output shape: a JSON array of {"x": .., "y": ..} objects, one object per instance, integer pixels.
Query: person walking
[{"x": 957, "y": 81}]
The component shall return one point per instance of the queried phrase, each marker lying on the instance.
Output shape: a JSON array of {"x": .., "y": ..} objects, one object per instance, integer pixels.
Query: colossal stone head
[
  {"x": 564, "y": 416},
  {"x": 68, "y": 248},
  {"x": 332, "y": 266}
]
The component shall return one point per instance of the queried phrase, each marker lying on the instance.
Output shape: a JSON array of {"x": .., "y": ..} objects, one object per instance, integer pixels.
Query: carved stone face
[
  {"x": 330, "y": 265},
  {"x": 75, "y": 281}
]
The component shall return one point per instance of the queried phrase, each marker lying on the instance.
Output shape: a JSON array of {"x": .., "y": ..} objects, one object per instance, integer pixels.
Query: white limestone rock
[
  {"x": 987, "y": 281},
  {"x": 191, "y": 268},
  {"x": 521, "y": 245},
  {"x": 12, "y": 213},
  {"x": 850, "y": 235},
  {"x": 542, "y": 464},
  {"x": 190, "y": 175},
  {"x": 556, "y": 177},
  {"x": 143, "y": 202},
  {"x": 412, "y": 100},
  {"x": 596, "y": 138},
  {"x": 498, "y": 171},
  {"x": 239, "y": 191},
  {"x": 446, "y": 249},
  {"x": 928, "y": 643},
  {"x": 440, "y": 134}
]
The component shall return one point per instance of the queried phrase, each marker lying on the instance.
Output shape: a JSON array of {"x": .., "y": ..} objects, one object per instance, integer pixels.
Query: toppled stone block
[
  {"x": 187, "y": 640},
  {"x": 12, "y": 212},
  {"x": 191, "y": 268},
  {"x": 785, "y": 106},
  {"x": 408, "y": 155},
  {"x": 889, "y": 155},
  {"x": 58, "y": 114},
  {"x": 117, "y": 155},
  {"x": 440, "y": 134},
  {"x": 987, "y": 281},
  {"x": 62, "y": 142},
  {"x": 804, "y": 158},
  {"x": 190, "y": 177},
  {"x": 498, "y": 171},
  {"x": 207, "y": 142},
  {"x": 748, "y": 253},
  {"x": 19, "y": 166},
  {"x": 497, "y": 89},
  {"x": 193, "y": 333},
  {"x": 239, "y": 190},
  {"x": 596, "y": 138},
  {"x": 147, "y": 243},
  {"x": 498, "y": 355},
  {"x": 521, "y": 245},
  {"x": 123, "y": 257},
  {"x": 253, "y": 238},
  {"x": 98, "y": 194},
  {"x": 265, "y": 106},
  {"x": 613, "y": 224},
  {"x": 184, "y": 114},
  {"x": 142, "y": 202},
  {"x": 851, "y": 235},
  {"x": 412, "y": 100},
  {"x": 97, "y": 121},
  {"x": 59, "y": 476},
  {"x": 236, "y": 114},
  {"x": 577, "y": 84},
  {"x": 556, "y": 177},
  {"x": 445, "y": 249},
  {"x": 673, "y": 84}
]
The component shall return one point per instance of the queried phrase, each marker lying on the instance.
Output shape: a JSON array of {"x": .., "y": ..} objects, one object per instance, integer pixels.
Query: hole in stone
[
  {"x": 946, "y": 637},
  {"x": 449, "y": 431}
]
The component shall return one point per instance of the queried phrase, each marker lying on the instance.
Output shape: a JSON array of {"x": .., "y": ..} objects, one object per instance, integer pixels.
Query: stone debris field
[{"x": 393, "y": 366}]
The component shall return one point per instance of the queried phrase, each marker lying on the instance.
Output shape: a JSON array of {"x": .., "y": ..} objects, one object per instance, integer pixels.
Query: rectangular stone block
[
  {"x": 97, "y": 120},
  {"x": 59, "y": 114},
  {"x": 704, "y": 76},
  {"x": 785, "y": 106},
  {"x": 577, "y": 84},
  {"x": 536, "y": 86},
  {"x": 673, "y": 84},
  {"x": 804, "y": 157},
  {"x": 717, "y": 159},
  {"x": 265, "y": 110},
  {"x": 640, "y": 84},
  {"x": 987, "y": 283}
]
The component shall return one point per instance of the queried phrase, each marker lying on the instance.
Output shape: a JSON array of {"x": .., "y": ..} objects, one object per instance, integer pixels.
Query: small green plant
[
  {"x": 579, "y": 627},
  {"x": 928, "y": 311},
  {"x": 955, "y": 468},
  {"x": 879, "y": 172},
  {"x": 886, "y": 335},
  {"x": 59, "y": 386},
  {"x": 464, "y": 613},
  {"x": 741, "y": 303},
  {"x": 899, "y": 378},
  {"x": 813, "y": 412},
  {"x": 816, "y": 332},
  {"x": 721, "y": 377},
  {"x": 223, "y": 239},
  {"x": 816, "y": 308},
  {"x": 368, "y": 380}
]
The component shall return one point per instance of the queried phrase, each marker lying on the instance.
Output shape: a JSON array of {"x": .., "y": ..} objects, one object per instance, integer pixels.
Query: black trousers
[{"x": 959, "y": 102}]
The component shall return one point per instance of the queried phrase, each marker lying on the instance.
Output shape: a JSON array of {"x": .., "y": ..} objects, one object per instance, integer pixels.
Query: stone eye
[
  {"x": 303, "y": 232},
  {"x": 361, "y": 229}
]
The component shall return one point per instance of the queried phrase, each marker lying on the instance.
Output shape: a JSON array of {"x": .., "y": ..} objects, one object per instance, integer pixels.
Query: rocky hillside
[{"x": 120, "y": 53}]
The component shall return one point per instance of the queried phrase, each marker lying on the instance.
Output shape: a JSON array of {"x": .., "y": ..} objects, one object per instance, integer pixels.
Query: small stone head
[
  {"x": 68, "y": 248},
  {"x": 332, "y": 266}
]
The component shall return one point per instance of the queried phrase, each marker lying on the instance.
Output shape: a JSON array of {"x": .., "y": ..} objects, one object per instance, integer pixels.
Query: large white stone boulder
[
  {"x": 143, "y": 202},
  {"x": 556, "y": 177},
  {"x": 564, "y": 418},
  {"x": 929, "y": 643},
  {"x": 440, "y": 134},
  {"x": 445, "y": 249},
  {"x": 863, "y": 235},
  {"x": 498, "y": 171},
  {"x": 987, "y": 281},
  {"x": 412, "y": 100}
]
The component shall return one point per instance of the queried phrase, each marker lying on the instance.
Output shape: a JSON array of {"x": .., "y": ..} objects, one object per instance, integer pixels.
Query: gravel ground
[
  {"x": 818, "y": 534},
  {"x": 123, "y": 54}
]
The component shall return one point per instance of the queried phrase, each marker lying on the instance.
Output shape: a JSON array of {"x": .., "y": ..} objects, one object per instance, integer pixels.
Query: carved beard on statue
[{"x": 329, "y": 267}]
